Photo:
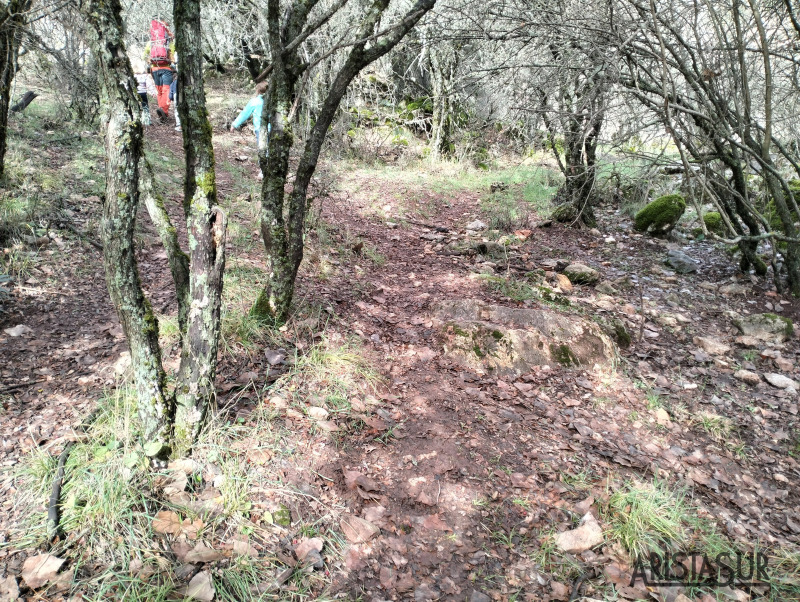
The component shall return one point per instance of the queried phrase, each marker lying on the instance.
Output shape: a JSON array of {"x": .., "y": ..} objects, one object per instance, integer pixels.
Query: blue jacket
[{"x": 253, "y": 108}]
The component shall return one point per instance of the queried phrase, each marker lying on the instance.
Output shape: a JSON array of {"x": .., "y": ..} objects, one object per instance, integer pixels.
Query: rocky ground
[{"x": 517, "y": 393}]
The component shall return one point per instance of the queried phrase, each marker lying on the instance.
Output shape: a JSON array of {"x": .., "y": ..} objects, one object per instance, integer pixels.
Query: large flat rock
[{"x": 507, "y": 340}]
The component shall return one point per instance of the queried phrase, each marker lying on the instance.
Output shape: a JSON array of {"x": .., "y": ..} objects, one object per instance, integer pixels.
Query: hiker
[
  {"x": 159, "y": 51},
  {"x": 140, "y": 73},
  {"x": 254, "y": 108},
  {"x": 173, "y": 95}
]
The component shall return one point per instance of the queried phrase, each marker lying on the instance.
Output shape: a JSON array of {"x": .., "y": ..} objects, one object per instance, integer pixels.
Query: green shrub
[
  {"x": 660, "y": 216},
  {"x": 714, "y": 223}
]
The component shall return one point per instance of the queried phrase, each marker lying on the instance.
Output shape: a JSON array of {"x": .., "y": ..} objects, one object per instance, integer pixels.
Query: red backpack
[{"x": 159, "y": 43}]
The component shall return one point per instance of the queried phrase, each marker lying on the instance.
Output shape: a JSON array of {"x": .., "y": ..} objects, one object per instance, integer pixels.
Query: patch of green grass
[
  {"x": 241, "y": 329},
  {"x": 508, "y": 286},
  {"x": 649, "y": 516},
  {"x": 581, "y": 480},
  {"x": 653, "y": 401},
  {"x": 333, "y": 370},
  {"x": 718, "y": 427}
]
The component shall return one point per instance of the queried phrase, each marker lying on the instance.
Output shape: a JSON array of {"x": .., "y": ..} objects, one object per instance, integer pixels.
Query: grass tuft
[{"x": 649, "y": 516}]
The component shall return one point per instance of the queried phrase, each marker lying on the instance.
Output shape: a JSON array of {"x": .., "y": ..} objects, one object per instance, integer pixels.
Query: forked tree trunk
[
  {"x": 198, "y": 281},
  {"x": 123, "y": 147},
  {"x": 442, "y": 75},
  {"x": 12, "y": 19},
  {"x": 284, "y": 240},
  {"x": 206, "y": 231}
]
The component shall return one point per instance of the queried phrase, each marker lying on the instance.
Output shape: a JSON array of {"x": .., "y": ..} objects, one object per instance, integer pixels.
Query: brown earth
[{"x": 463, "y": 473}]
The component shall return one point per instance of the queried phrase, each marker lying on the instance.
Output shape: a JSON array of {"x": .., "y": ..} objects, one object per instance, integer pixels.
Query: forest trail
[{"x": 460, "y": 479}]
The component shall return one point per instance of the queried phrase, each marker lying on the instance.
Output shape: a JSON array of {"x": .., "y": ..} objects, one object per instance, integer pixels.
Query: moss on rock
[
  {"x": 714, "y": 223},
  {"x": 564, "y": 355},
  {"x": 660, "y": 216}
]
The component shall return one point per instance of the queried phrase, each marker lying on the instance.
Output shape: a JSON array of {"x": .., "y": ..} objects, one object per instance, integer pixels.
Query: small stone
[
  {"x": 18, "y": 330},
  {"x": 392, "y": 225},
  {"x": 424, "y": 593},
  {"x": 278, "y": 402},
  {"x": 605, "y": 288},
  {"x": 476, "y": 225},
  {"x": 588, "y": 535},
  {"x": 275, "y": 356},
  {"x": 751, "y": 378},
  {"x": 579, "y": 273},
  {"x": 748, "y": 342},
  {"x": 662, "y": 417},
  {"x": 733, "y": 289},
  {"x": 780, "y": 381},
  {"x": 766, "y": 327},
  {"x": 563, "y": 283},
  {"x": 317, "y": 413},
  {"x": 784, "y": 364},
  {"x": 711, "y": 345},
  {"x": 477, "y": 596},
  {"x": 681, "y": 262}
]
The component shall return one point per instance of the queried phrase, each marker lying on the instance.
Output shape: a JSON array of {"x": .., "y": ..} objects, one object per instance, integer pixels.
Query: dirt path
[
  {"x": 464, "y": 476},
  {"x": 476, "y": 471}
]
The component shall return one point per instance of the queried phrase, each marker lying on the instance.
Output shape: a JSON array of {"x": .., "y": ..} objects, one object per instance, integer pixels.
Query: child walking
[
  {"x": 254, "y": 108},
  {"x": 173, "y": 96},
  {"x": 141, "y": 87}
]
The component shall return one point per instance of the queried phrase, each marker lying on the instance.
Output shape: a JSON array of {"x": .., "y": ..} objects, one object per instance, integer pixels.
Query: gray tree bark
[
  {"x": 123, "y": 146},
  {"x": 206, "y": 228},
  {"x": 13, "y": 16},
  {"x": 284, "y": 240}
]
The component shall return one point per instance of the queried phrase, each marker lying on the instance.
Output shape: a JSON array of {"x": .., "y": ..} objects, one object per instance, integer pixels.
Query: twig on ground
[
  {"x": 641, "y": 307},
  {"x": 21, "y": 385},
  {"x": 576, "y": 587},
  {"x": 53, "y": 512},
  {"x": 83, "y": 236},
  {"x": 429, "y": 226}
]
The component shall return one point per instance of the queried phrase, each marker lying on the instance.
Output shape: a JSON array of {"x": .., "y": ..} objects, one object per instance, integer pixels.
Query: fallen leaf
[
  {"x": 306, "y": 545},
  {"x": 176, "y": 485},
  {"x": 588, "y": 535},
  {"x": 523, "y": 482},
  {"x": 201, "y": 587},
  {"x": 202, "y": 553},
  {"x": 259, "y": 456},
  {"x": 9, "y": 589},
  {"x": 41, "y": 569},
  {"x": 387, "y": 577},
  {"x": 355, "y": 558},
  {"x": 424, "y": 498},
  {"x": 374, "y": 513},
  {"x": 560, "y": 591},
  {"x": 358, "y": 530},
  {"x": 328, "y": 425},
  {"x": 18, "y": 330},
  {"x": 435, "y": 523},
  {"x": 167, "y": 522},
  {"x": 242, "y": 547},
  {"x": 354, "y": 479}
]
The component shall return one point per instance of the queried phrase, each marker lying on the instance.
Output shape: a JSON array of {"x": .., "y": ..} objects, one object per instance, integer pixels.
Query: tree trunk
[
  {"x": 24, "y": 101},
  {"x": 442, "y": 73},
  {"x": 123, "y": 146},
  {"x": 284, "y": 241},
  {"x": 177, "y": 259},
  {"x": 12, "y": 18},
  {"x": 206, "y": 231},
  {"x": 577, "y": 195}
]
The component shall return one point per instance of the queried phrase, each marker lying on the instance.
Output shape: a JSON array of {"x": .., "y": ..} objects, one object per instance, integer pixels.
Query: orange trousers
[{"x": 162, "y": 78}]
